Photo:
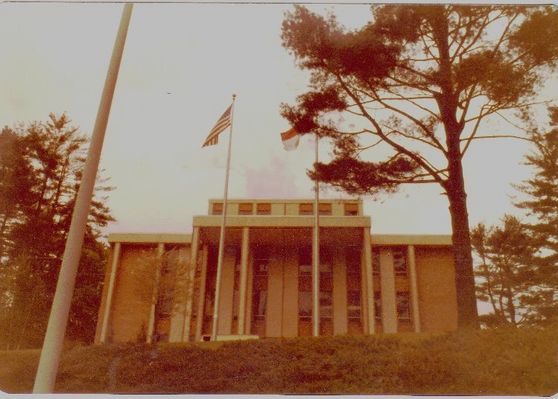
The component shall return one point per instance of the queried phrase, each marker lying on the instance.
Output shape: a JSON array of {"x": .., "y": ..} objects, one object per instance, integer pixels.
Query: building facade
[{"x": 161, "y": 287}]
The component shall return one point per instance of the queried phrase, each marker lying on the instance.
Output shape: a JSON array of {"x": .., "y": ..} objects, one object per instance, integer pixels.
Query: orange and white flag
[{"x": 290, "y": 139}]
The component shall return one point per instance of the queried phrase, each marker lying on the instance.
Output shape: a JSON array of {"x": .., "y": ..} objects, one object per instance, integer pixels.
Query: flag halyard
[{"x": 223, "y": 123}]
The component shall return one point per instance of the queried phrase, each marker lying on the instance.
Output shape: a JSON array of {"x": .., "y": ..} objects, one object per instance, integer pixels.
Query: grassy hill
[{"x": 496, "y": 362}]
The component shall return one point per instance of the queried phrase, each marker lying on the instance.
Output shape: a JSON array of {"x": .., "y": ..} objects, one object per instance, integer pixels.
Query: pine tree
[
  {"x": 415, "y": 87},
  {"x": 542, "y": 207},
  {"x": 51, "y": 157}
]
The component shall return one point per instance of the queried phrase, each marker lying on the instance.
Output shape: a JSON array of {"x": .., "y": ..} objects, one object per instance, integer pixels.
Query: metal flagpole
[
  {"x": 56, "y": 329},
  {"x": 316, "y": 258},
  {"x": 222, "y": 235}
]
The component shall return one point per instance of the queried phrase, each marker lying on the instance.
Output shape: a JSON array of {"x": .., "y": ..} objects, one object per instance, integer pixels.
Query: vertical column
[
  {"x": 274, "y": 306},
  {"x": 369, "y": 282},
  {"x": 110, "y": 291},
  {"x": 201, "y": 296},
  {"x": 340, "y": 322},
  {"x": 387, "y": 281},
  {"x": 155, "y": 294},
  {"x": 413, "y": 287},
  {"x": 290, "y": 292},
  {"x": 243, "y": 279},
  {"x": 189, "y": 284},
  {"x": 226, "y": 292},
  {"x": 316, "y": 278}
]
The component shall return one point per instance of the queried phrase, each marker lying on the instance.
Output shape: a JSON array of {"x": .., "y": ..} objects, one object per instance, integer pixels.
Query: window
[
  {"x": 352, "y": 260},
  {"x": 403, "y": 306},
  {"x": 305, "y": 260},
  {"x": 325, "y": 209},
  {"x": 326, "y": 304},
  {"x": 263, "y": 209},
  {"x": 375, "y": 260},
  {"x": 353, "y": 304},
  {"x": 260, "y": 303},
  {"x": 305, "y": 304},
  {"x": 306, "y": 209},
  {"x": 351, "y": 209},
  {"x": 261, "y": 261},
  {"x": 377, "y": 305},
  {"x": 245, "y": 209},
  {"x": 400, "y": 261},
  {"x": 217, "y": 208},
  {"x": 326, "y": 260}
]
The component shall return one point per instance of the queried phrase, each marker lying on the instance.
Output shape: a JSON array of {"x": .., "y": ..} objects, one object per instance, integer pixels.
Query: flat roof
[
  {"x": 168, "y": 238},
  {"x": 377, "y": 239}
]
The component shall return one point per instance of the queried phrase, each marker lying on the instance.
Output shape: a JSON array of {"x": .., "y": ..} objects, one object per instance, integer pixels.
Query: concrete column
[
  {"x": 201, "y": 295},
  {"x": 225, "y": 311},
  {"x": 110, "y": 291},
  {"x": 290, "y": 293},
  {"x": 387, "y": 281},
  {"x": 368, "y": 279},
  {"x": 274, "y": 311},
  {"x": 155, "y": 294},
  {"x": 189, "y": 284},
  {"x": 249, "y": 292},
  {"x": 413, "y": 287},
  {"x": 243, "y": 279},
  {"x": 340, "y": 322}
]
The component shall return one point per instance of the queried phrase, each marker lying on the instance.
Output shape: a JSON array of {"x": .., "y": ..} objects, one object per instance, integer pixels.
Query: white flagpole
[
  {"x": 56, "y": 328},
  {"x": 316, "y": 258},
  {"x": 222, "y": 236}
]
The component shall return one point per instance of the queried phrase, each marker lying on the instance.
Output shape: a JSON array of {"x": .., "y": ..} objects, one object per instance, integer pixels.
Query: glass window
[
  {"x": 261, "y": 261},
  {"x": 305, "y": 260},
  {"x": 403, "y": 306},
  {"x": 217, "y": 208},
  {"x": 351, "y": 209},
  {"x": 325, "y": 209},
  {"x": 353, "y": 304},
  {"x": 375, "y": 260},
  {"x": 260, "y": 303},
  {"x": 263, "y": 209},
  {"x": 377, "y": 305},
  {"x": 326, "y": 304},
  {"x": 326, "y": 260},
  {"x": 352, "y": 259},
  {"x": 306, "y": 209},
  {"x": 245, "y": 209},
  {"x": 400, "y": 261},
  {"x": 305, "y": 304}
]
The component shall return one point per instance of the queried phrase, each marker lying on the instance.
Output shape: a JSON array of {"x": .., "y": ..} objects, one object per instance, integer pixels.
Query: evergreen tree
[
  {"x": 49, "y": 160},
  {"x": 542, "y": 206},
  {"x": 417, "y": 84},
  {"x": 508, "y": 278}
]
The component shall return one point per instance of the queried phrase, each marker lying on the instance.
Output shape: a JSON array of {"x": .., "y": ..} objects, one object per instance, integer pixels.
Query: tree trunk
[{"x": 467, "y": 314}]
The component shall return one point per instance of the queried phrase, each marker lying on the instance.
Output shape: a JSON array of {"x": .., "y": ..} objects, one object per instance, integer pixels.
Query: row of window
[
  {"x": 352, "y": 261},
  {"x": 264, "y": 208},
  {"x": 261, "y": 262}
]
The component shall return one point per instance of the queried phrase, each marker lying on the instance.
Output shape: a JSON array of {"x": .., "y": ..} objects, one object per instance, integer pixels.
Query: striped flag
[
  {"x": 290, "y": 139},
  {"x": 223, "y": 123}
]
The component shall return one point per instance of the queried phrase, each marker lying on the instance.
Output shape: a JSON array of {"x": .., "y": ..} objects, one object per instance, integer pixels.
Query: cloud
[{"x": 273, "y": 181}]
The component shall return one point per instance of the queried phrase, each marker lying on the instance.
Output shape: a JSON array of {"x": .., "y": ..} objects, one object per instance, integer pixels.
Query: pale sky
[{"x": 181, "y": 65}]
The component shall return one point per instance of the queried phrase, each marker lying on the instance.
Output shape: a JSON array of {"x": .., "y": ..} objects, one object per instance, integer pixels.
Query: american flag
[{"x": 223, "y": 123}]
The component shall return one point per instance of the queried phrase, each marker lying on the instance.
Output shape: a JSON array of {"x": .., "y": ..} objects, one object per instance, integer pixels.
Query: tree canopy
[
  {"x": 40, "y": 166},
  {"x": 415, "y": 86}
]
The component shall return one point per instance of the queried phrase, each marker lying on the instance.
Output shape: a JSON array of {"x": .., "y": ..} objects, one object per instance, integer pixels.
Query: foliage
[
  {"x": 167, "y": 277},
  {"x": 418, "y": 84},
  {"x": 41, "y": 172},
  {"x": 542, "y": 190},
  {"x": 488, "y": 362},
  {"x": 519, "y": 261},
  {"x": 509, "y": 278}
]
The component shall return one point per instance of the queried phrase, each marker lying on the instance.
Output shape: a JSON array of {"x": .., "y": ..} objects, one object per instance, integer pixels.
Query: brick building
[{"x": 161, "y": 287}]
